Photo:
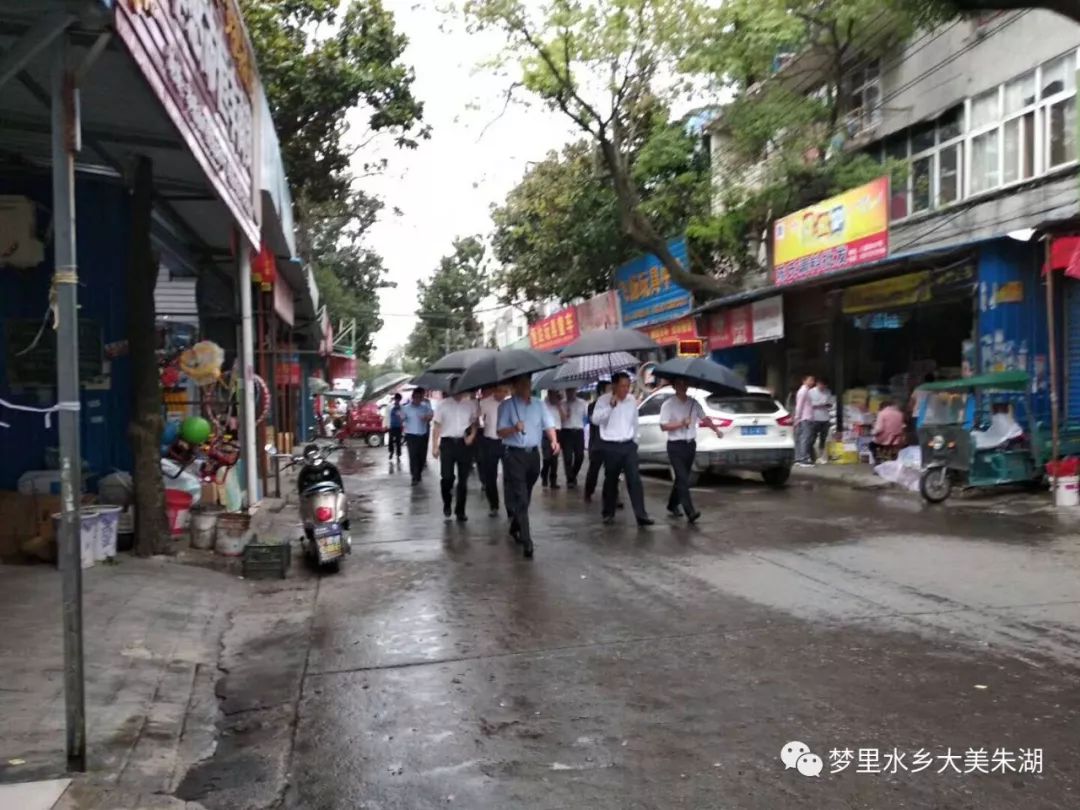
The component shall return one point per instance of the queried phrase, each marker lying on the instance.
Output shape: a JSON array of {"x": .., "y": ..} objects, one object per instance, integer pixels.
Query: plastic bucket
[
  {"x": 1067, "y": 490},
  {"x": 107, "y": 529},
  {"x": 232, "y": 545},
  {"x": 204, "y": 520},
  {"x": 178, "y": 510},
  {"x": 88, "y": 534}
]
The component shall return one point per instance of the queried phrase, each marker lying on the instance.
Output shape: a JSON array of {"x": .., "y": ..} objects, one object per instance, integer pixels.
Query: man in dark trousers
[
  {"x": 617, "y": 417},
  {"x": 417, "y": 421},
  {"x": 397, "y": 422},
  {"x": 523, "y": 423},
  {"x": 572, "y": 436},
  {"x": 549, "y": 468},
  {"x": 455, "y": 431},
  {"x": 596, "y": 446},
  {"x": 679, "y": 418},
  {"x": 491, "y": 446}
]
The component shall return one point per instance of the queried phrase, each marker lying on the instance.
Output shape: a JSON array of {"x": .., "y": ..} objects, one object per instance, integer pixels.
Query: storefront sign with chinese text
[
  {"x": 842, "y": 232},
  {"x": 750, "y": 323},
  {"x": 669, "y": 334},
  {"x": 555, "y": 331},
  {"x": 647, "y": 295},
  {"x": 197, "y": 60},
  {"x": 599, "y": 312},
  {"x": 907, "y": 290}
]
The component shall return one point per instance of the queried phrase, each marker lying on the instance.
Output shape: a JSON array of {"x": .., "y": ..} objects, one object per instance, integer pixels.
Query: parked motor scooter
[{"x": 324, "y": 509}]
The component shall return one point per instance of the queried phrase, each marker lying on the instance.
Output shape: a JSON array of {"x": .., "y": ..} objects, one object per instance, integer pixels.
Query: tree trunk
[
  {"x": 151, "y": 532},
  {"x": 642, "y": 233}
]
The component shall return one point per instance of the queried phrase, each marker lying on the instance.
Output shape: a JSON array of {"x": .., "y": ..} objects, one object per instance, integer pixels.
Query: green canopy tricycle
[{"x": 969, "y": 434}]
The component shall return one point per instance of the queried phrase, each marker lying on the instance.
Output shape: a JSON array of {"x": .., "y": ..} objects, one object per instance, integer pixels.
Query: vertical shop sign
[
  {"x": 647, "y": 295},
  {"x": 751, "y": 323},
  {"x": 197, "y": 59}
]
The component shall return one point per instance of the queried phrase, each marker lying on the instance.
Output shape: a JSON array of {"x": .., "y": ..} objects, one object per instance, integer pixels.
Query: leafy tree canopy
[
  {"x": 319, "y": 60},
  {"x": 446, "y": 317}
]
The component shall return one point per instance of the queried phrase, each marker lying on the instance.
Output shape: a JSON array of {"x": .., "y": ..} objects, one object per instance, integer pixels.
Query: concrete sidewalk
[{"x": 152, "y": 632}]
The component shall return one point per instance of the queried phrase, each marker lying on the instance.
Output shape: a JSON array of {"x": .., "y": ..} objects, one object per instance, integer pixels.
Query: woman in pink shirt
[
  {"x": 804, "y": 424},
  {"x": 889, "y": 431}
]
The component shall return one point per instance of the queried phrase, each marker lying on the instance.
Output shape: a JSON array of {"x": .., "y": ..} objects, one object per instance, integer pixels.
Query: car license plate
[
  {"x": 329, "y": 530},
  {"x": 758, "y": 430}
]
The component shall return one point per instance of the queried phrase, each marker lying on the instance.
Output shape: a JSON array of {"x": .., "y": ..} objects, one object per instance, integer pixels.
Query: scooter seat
[{"x": 321, "y": 487}]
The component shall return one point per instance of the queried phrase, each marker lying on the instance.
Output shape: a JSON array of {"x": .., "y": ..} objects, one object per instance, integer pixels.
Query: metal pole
[
  {"x": 247, "y": 361},
  {"x": 65, "y": 139},
  {"x": 1051, "y": 330}
]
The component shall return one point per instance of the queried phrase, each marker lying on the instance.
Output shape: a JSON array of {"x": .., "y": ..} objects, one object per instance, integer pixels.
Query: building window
[
  {"x": 1013, "y": 133},
  {"x": 864, "y": 98}
]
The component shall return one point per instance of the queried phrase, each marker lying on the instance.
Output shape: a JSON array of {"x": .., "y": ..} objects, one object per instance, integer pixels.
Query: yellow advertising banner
[
  {"x": 843, "y": 231},
  {"x": 902, "y": 291}
]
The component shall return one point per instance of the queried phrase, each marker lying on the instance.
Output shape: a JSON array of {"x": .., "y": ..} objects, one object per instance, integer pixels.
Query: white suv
[{"x": 756, "y": 434}]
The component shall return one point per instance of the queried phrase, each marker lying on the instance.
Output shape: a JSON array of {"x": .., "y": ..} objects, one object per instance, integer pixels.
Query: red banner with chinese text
[
  {"x": 670, "y": 333},
  {"x": 555, "y": 331}
]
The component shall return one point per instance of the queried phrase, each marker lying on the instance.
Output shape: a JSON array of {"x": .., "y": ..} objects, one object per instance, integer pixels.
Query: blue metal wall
[
  {"x": 1012, "y": 334},
  {"x": 102, "y": 233},
  {"x": 746, "y": 360}
]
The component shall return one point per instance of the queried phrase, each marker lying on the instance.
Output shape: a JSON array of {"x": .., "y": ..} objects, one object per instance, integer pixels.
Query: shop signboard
[
  {"x": 836, "y": 234},
  {"x": 902, "y": 291},
  {"x": 599, "y": 312},
  {"x": 751, "y": 323},
  {"x": 647, "y": 295},
  {"x": 555, "y": 331},
  {"x": 198, "y": 61},
  {"x": 669, "y": 334}
]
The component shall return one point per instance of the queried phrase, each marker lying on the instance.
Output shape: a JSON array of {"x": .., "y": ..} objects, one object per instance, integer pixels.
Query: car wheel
[
  {"x": 777, "y": 476},
  {"x": 374, "y": 440}
]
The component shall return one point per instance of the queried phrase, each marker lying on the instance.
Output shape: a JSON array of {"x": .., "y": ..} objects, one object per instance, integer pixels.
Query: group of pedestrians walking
[{"x": 528, "y": 436}]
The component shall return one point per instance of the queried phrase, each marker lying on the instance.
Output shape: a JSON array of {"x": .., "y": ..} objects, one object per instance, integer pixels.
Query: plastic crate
[{"x": 267, "y": 560}]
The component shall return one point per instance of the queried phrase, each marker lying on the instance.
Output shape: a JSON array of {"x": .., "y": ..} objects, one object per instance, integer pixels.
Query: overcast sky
[{"x": 445, "y": 187}]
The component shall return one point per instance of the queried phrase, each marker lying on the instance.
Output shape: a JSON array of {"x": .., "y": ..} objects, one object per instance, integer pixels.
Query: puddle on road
[{"x": 1018, "y": 596}]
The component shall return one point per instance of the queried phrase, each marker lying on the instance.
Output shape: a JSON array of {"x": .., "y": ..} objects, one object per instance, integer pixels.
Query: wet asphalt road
[{"x": 666, "y": 668}]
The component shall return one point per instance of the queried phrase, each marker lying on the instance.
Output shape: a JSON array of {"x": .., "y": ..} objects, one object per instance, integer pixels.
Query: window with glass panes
[{"x": 1017, "y": 131}]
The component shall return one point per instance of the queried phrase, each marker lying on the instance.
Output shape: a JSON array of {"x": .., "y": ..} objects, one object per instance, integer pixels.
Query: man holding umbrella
[
  {"x": 616, "y": 415},
  {"x": 679, "y": 417},
  {"x": 455, "y": 430},
  {"x": 523, "y": 423}
]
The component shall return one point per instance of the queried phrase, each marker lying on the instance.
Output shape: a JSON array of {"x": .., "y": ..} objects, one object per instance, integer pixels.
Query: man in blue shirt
[
  {"x": 416, "y": 422},
  {"x": 523, "y": 424},
  {"x": 397, "y": 421}
]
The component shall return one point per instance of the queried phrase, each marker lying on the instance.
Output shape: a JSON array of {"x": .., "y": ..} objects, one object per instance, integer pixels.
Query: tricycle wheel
[
  {"x": 935, "y": 484},
  {"x": 374, "y": 440}
]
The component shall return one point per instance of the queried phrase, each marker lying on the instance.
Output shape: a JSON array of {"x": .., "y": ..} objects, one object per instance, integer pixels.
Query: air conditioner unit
[{"x": 18, "y": 246}]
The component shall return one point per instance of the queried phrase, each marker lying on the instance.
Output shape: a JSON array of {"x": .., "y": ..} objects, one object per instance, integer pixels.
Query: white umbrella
[{"x": 591, "y": 367}]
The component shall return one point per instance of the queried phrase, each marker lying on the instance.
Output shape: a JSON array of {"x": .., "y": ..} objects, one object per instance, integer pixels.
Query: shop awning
[{"x": 1064, "y": 256}]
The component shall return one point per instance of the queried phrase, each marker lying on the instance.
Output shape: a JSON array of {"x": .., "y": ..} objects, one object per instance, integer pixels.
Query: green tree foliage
[
  {"x": 606, "y": 65},
  {"x": 446, "y": 317},
  {"x": 319, "y": 60},
  {"x": 558, "y": 234},
  {"x": 349, "y": 275}
]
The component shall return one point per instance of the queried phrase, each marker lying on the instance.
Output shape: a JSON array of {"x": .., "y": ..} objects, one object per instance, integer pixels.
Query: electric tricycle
[{"x": 970, "y": 435}]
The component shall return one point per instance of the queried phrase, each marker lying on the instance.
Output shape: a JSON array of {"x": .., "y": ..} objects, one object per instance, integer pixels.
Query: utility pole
[
  {"x": 247, "y": 363},
  {"x": 65, "y": 143}
]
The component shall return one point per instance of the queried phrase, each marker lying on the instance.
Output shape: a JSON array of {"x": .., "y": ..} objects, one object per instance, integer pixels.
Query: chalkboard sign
[{"x": 37, "y": 368}]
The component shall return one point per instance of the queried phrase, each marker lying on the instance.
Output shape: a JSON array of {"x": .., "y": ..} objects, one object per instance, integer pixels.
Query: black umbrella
[
  {"x": 501, "y": 366},
  {"x": 546, "y": 382},
  {"x": 702, "y": 373},
  {"x": 606, "y": 341},
  {"x": 458, "y": 361},
  {"x": 435, "y": 381}
]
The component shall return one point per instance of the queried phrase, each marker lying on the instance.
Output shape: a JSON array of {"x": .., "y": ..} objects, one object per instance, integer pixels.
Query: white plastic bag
[{"x": 185, "y": 481}]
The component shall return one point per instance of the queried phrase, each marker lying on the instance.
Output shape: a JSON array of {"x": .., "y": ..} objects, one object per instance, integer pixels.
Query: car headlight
[{"x": 937, "y": 443}]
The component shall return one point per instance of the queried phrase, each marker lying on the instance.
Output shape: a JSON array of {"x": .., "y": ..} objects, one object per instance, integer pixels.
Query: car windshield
[
  {"x": 747, "y": 404},
  {"x": 944, "y": 408}
]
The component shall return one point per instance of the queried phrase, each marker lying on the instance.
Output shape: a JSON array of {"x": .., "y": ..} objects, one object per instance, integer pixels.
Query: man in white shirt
[
  {"x": 491, "y": 446},
  {"x": 821, "y": 402},
  {"x": 453, "y": 437},
  {"x": 679, "y": 417},
  {"x": 572, "y": 436},
  {"x": 549, "y": 472},
  {"x": 617, "y": 417},
  {"x": 804, "y": 423}
]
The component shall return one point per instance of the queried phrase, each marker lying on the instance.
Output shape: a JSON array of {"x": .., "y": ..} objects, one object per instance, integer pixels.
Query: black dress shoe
[
  {"x": 571, "y": 484},
  {"x": 493, "y": 513},
  {"x": 555, "y": 486},
  {"x": 620, "y": 505},
  {"x": 447, "y": 511},
  {"x": 692, "y": 519},
  {"x": 643, "y": 522},
  {"x": 528, "y": 548},
  {"x": 674, "y": 511},
  {"x": 462, "y": 519},
  {"x": 609, "y": 520}
]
